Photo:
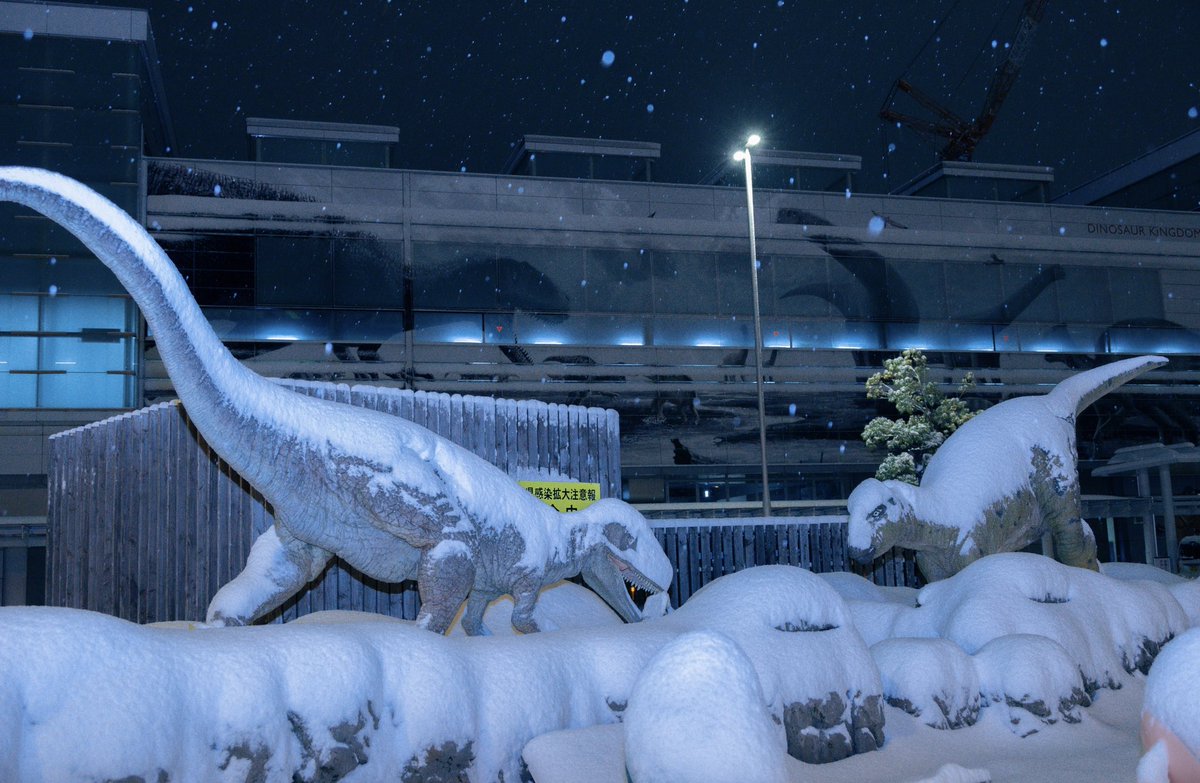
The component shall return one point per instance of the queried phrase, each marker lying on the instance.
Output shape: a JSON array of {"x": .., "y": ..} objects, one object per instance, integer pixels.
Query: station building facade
[
  {"x": 314, "y": 259},
  {"x": 636, "y": 296}
]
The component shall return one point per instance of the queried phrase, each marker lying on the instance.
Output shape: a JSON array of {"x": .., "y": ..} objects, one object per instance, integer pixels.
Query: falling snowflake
[{"x": 608, "y": 58}]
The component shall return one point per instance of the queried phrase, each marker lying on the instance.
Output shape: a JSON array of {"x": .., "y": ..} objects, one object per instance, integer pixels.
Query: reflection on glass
[{"x": 464, "y": 328}]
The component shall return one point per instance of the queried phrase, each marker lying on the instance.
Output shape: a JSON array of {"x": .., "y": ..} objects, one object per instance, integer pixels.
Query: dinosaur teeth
[{"x": 640, "y": 582}]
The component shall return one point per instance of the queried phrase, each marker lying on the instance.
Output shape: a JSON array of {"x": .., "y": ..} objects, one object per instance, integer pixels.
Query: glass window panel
[
  {"x": 776, "y": 334},
  {"x": 858, "y": 284},
  {"x": 279, "y": 325},
  {"x": 237, "y": 324},
  {"x": 1056, "y": 338},
  {"x": 795, "y": 285},
  {"x": 17, "y": 391},
  {"x": 916, "y": 290},
  {"x": 734, "y": 291},
  {"x": 375, "y": 326},
  {"x": 74, "y": 354},
  {"x": 540, "y": 279},
  {"x": 18, "y": 313},
  {"x": 498, "y": 329},
  {"x": 1160, "y": 341},
  {"x": 974, "y": 292},
  {"x": 1083, "y": 296},
  {"x": 1029, "y": 292},
  {"x": 294, "y": 271},
  {"x": 78, "y": 275},
  {"x": 369, "y": 273},
  {"x": 82, "y": 390},
  {"x": 1136, "y": 295},
  {"x": 454, "y": 276},
  {"x": 684, "y": 282},
  {"x": 76, "y": 313},
  {"x": 704, "y": 332},
  {"x": 850, "y": 335},
  {"x": 18, "y": 353},
  {"x": 447, "y": 328},
  {"x": 602, "y": 330},
  {"x": 618, "y": 280},
  {"x": 940, "y": 336}
]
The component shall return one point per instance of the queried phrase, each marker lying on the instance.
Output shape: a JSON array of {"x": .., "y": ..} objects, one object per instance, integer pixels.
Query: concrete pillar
[
  {"x": 1168, "y": 496},
  {"x": 1149, "y": 534}
]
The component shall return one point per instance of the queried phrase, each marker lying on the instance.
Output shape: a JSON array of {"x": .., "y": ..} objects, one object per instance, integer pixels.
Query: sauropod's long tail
[{"x": 1079, "y": 391}]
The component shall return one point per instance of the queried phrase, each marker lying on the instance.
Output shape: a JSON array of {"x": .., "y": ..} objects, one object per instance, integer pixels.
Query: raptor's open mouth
[{"x": 635, "y": 580}]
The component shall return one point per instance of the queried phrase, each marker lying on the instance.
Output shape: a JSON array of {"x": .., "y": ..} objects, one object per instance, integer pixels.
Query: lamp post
[{"x": 743, "y": 155}]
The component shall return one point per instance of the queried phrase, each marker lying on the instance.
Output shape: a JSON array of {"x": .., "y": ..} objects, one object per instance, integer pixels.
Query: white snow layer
[
  {"x": 1152, "y": 768},
  {"x": 1104, "y": 624},
  {"x": 1173, "y": 689},
  {"x": 697, "y": 713},
  {"x": 85, "y": 696}
]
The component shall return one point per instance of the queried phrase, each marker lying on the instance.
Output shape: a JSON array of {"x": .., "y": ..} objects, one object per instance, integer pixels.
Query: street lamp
[{"x": 743, "y": 155}]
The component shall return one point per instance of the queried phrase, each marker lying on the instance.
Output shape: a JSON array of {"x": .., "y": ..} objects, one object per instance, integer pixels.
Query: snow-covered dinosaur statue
[
  {"x": 1000, "y": 482},
  {"x": 388, "y": 496}
]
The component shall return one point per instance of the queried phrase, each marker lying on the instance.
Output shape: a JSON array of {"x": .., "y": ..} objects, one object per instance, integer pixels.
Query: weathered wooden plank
[
  {"x": 578, "y": 430},
  {"x": 694, "y": 580},
  {"x": 512, "y": 443},
  {"x": 541, "y": 462},
  {"x": 460, "y": 431}
]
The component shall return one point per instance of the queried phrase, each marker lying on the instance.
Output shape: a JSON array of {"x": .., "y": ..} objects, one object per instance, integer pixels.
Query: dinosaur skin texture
[
  {"x": 391, "y": 498},
  {"x": 1000, "y": 482}
]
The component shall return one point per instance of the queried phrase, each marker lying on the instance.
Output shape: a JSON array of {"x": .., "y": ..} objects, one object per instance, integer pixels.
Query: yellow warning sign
[{"x": 564, "y": 495}]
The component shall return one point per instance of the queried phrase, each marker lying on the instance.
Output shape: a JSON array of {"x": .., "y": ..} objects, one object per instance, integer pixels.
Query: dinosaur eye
[
  {"x": 879, "y": 511},
  {"x": 619, "y": 537}
]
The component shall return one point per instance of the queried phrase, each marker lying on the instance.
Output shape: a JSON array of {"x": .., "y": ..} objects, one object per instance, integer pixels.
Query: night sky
[{"x": 1105, "y": 81}]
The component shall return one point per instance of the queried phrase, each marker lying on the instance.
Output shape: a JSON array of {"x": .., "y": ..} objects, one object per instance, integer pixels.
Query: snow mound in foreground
[
  {"x": 932, "y": 679},
  {"x": 1032, "y": 677},
  {"x": 697, "y": 713},
  {"x": 816, "y": 673},
  {"x": 85, "y": 696},
  {"x": 1173, "y": 689},
  {"x": 1108, "y": 627}
]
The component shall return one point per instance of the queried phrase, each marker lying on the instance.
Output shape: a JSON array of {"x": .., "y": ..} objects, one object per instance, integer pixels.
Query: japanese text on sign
[{"x": 563, "y": 495}]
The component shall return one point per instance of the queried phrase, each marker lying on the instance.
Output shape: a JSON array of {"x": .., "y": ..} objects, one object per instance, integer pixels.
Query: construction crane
[{"x": 960, "y": 136}]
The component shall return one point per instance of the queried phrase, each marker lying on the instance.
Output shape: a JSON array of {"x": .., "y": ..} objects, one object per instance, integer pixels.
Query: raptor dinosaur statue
[
  {"x": 390, "y": 497},
  {"x": 1000, "y": 482}
]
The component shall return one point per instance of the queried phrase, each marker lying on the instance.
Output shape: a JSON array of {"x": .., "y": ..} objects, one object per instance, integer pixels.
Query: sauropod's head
[{"x": 876, "y": 507}]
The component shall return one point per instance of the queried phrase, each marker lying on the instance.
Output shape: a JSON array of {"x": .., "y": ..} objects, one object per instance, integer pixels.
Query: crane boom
[{"x": 960, "y": 136}]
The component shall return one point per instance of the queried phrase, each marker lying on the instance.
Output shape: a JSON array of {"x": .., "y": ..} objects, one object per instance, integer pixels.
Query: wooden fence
[
  {"x": 705, "y": 549},
  {"x": 146, "y": 522}
]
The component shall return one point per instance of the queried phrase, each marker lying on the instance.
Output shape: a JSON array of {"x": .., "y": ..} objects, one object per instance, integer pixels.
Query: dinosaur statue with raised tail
[
  {"x": 1000, "y": 482},
  {"x": 389, "y": 497}
]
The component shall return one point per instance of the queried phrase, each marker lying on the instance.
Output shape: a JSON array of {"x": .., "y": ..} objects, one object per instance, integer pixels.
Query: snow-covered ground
[
  {"x": 1104, "y": 747},
  {"x": 1040, "y": 666}
]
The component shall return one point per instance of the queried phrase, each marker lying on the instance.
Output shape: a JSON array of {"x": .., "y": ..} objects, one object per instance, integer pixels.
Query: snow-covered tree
[{"x": 927, "y": 416}]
